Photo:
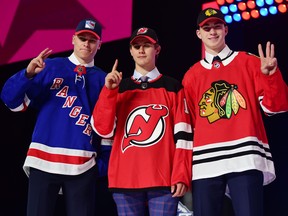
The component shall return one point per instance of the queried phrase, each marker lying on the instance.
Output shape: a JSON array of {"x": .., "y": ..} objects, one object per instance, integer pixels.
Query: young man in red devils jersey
[
  {"x": 224, "y": 96},
  {"x": 150, "y": 162}
]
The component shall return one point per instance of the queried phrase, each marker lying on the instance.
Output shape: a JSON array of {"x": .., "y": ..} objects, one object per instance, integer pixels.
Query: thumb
[{"x": 173, "y": 188}]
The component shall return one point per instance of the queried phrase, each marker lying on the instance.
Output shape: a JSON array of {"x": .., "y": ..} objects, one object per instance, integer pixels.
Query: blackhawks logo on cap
[{"x": 210, "y": 12}]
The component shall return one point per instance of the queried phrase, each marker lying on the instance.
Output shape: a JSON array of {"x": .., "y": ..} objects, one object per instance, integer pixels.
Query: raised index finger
[{"x": 115, "y": 65}]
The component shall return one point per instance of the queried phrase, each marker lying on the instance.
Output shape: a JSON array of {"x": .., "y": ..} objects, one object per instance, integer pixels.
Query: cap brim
[
  {"x": 209, "y": 19},
  {"x": 145, "y": 36},
  {"x": 88, "y": 31}
]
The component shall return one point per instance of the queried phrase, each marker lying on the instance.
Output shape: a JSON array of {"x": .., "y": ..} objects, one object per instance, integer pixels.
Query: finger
[
  {"x": 272, "y": 51},
  {"x": 173, "y": 189},
  {"x": 178, "y": 191},
  {"x": 45, "y": 53},
  {"x": 115, "y": 65},
  {"x": 117, "y": 78},
  {"x": 268, "y": 49},
  {"x": 183, "y": 190},
  {"x": 48, "y": 53},
  {"x": 260, "y": 51},
  {"x": 116, "y": 75},
  {"x": 39, "y": 61},
  {"x": 42, "y": 56}
]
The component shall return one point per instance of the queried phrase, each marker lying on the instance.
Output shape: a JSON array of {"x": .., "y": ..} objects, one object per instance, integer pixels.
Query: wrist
[{"x": 29, "y": 75}]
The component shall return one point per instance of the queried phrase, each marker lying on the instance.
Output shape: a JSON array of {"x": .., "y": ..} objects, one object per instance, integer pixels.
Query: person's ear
[
  {"x": 198, "y": 34},
  {"x": 73, "y": 38},
  {"x": 99, "y": 45},
  {"x": 226, "y": 30},
  {"x": 158, "y": 49}
]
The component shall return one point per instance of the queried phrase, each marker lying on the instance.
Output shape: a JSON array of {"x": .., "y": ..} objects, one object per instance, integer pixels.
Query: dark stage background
[{"x": 175, "y": 24}]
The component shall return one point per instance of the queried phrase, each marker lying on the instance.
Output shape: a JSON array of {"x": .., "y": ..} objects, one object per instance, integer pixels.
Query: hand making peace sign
[
  {"x": 268, "y": 63},
  {"x": 37, "y": 64}
]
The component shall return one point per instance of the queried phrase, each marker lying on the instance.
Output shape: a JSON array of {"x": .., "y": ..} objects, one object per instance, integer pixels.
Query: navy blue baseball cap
[{"x": 90, "y": 26}]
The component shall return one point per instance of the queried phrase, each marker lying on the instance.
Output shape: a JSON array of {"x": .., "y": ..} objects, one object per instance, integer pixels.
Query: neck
[
  {"x": 144, "y": 70},
  {"x": 215, "y": 51}
]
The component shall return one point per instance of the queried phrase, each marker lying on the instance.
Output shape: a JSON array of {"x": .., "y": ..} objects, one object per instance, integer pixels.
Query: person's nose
[
  {"x": 141, "y": 49},
  {"x": 86, "y": 43},
  {"x": 212, "y": 30}
]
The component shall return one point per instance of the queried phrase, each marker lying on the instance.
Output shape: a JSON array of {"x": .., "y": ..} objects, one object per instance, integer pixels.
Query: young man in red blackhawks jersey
[
  {"x": 150, "y": 162},
  {"x": 62, "y": 154},
  {"x": 224, "y": 96}
]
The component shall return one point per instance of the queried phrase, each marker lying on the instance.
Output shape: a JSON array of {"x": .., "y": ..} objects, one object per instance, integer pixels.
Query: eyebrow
[
  {"x": 85, "y": 38},
  {"x": 213, "y": 23}
]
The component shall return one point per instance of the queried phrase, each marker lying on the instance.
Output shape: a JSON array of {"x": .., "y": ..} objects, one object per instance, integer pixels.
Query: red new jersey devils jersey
[{"x": 152, "y": 134}]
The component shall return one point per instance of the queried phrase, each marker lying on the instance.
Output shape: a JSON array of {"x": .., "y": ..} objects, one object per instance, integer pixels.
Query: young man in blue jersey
[{"x": 62, "y": 153}]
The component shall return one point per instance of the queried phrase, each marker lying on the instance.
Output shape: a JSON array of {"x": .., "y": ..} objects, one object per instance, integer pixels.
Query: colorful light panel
[{"x": 239, "y": 10}]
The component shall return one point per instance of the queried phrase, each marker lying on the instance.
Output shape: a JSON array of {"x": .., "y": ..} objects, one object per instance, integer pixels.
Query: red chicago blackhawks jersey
[
  {"x": 225, "y": 100},
  {"x": 152, "y": 134}
]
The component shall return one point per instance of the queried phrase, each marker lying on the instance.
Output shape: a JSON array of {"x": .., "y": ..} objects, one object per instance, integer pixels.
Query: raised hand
[
  {"x": 268, "y": 63},
  {"x": 37, "y": 64},
  {"x": 113, "y": 78}
]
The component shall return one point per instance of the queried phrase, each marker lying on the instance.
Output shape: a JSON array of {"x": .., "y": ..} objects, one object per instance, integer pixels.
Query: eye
[
  {"x": 206, "y": 28},
  {"x": 147, "y": 45},
  {"x": 90, "y": 40},
  {"x": 93, "y": 41},
  {"x": 81, "y": 38},
  {"x": 136, "y": 46},
  {"x": 218, "y": 26}
]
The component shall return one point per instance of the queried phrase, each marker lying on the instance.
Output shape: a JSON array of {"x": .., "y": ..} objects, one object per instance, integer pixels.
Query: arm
[
  {"x": 103, "y": 117},
  {"x": 14, "y": 92},
  {"x": 103, "y": 155},
  {"x": 182, "y": 164},
  {"x": 275, "y": 96},
  {"x": 37, "y": 64}
]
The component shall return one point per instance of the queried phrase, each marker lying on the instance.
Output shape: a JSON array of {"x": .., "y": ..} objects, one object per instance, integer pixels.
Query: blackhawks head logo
[{"x": 221, "y": 101}]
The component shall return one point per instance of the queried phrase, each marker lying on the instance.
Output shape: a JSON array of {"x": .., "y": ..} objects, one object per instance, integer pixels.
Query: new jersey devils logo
[{"x": 145, "y": 126}]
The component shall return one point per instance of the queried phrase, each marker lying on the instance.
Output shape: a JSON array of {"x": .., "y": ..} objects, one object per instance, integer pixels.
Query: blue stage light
[
  {"x": 263, "y": 11},
  {"x": 273, "y": 10},
  {"x": 237, "y": 17},
  {"x": 269, "y": 2},
  {"x": 228, "y": 19},
  {"x": 260, "y": 3},
  {"x": 243, "y": 10},
  {"x": 233, "y": 8},
  {"x": 224, "y": 9}
]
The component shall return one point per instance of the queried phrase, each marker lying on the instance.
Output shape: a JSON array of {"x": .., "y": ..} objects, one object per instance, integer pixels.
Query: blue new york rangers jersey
[{"x": 63, "y": 141}]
